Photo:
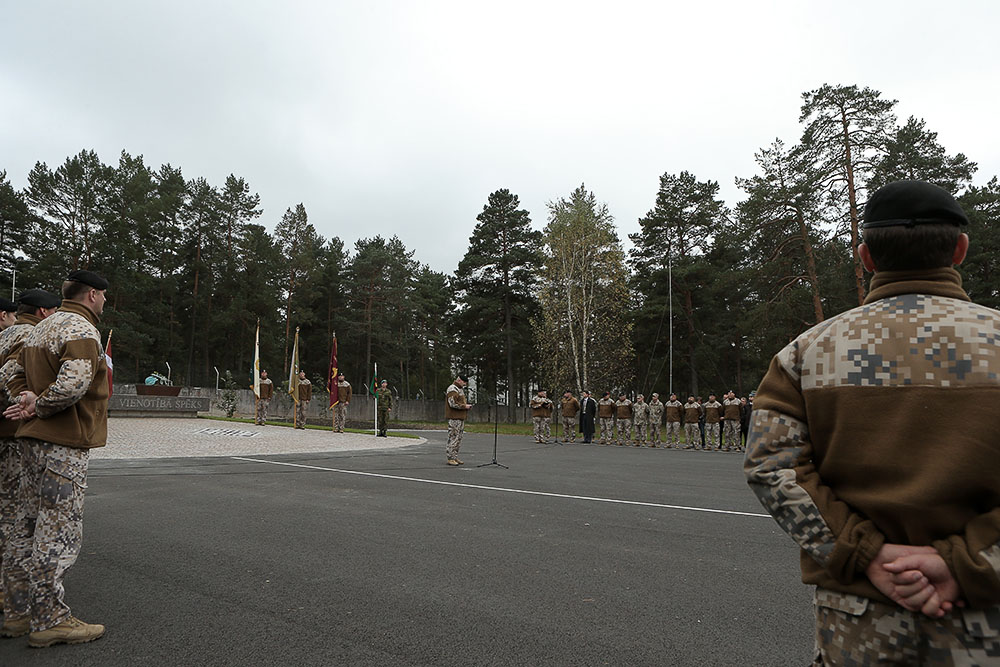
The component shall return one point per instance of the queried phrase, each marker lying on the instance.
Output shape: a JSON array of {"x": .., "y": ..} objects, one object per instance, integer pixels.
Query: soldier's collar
[{"x": 945, "y": 281}]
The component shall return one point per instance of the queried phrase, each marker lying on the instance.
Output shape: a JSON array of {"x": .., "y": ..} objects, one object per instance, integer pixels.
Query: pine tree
[{"x": 496, "y": 280}]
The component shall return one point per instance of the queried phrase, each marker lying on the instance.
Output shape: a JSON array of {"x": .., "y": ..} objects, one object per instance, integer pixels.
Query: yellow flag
[
  {"x": 293, "y": 373},
  {"x": 256, "y": 362}
]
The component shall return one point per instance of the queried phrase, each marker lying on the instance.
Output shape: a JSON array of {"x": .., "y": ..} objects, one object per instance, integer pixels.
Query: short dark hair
[
  {"x": 26, "y": 309},
  {"x": 901, "y": 248},
  {"x": 73, "y": 290}
]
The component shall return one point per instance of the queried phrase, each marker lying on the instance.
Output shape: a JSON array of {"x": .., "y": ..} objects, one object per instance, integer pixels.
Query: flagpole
[{"x": 376, "y": 399}]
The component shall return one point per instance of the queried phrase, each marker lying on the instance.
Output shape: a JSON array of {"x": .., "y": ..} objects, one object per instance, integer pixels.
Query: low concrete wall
[
  {"x": 122, "y": 404},
  {"x": 360, "y": 409}
]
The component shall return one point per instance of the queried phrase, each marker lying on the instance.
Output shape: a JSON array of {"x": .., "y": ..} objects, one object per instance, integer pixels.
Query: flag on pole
[
  {"x": 331, "y": 375},
  {"x": 374, "y": 384},
  {"x": 111, "y": 366},
  {"x": 293, "y": 372},
  {"x": 256, "y": 362}
]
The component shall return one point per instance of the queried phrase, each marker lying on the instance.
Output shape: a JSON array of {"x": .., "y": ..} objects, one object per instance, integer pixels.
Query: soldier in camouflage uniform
[
  {"x": 34, "y": 305},
  {"x": 60, "y": 387},
  {"x": 854, "y": 450},
  {"x": 655, "y": 419},
  {"x": 623, "y": 420},
  {"x": 606, "y": 415},
  {"x": 731, "y": 422},
  {"x": 640, "y": 419},
  {"x": 456, "y": 409},
  {"x": 541, "y": 416},
  {"x": 692, "y": 432},
  {"x": 713, "y": 417},
  {"x": 675, "y": 411},
  {"x": 384, "y": 397},
  {"x": 568, "y": 408},
  {"x": 305, "y": 395},
  {"x": 343, "y": 400},
  {"x": 264, "y": 400}
]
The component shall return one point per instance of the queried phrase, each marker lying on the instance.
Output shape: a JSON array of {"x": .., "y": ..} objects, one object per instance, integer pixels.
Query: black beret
[
  {"x": 463, "y": 378},
  {"x": 39, "y": 298},
  {"x": 88, "y": 278},
  {"x": 7, "y": 306},
  {"x": 912, "y": 203}
]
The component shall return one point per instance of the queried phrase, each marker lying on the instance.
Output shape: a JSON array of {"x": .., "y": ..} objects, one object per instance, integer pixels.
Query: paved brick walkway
[{"x": 134, "y": 438}]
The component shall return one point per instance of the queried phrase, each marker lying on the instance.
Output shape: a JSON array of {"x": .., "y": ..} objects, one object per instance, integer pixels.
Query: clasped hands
[
  {"x": 915, "y": 578},
  {"x": 23, "y": 408}
]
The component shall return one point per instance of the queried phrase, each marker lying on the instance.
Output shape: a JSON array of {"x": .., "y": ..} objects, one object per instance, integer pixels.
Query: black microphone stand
[{"x": 496, "y": 427}]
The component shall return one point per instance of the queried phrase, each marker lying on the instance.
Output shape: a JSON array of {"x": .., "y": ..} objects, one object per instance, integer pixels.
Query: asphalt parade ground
[{"x": 576, "y": 555}]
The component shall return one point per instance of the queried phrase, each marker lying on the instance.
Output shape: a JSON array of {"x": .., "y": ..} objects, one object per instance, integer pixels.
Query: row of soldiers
[{"x": 709, "y": 425}]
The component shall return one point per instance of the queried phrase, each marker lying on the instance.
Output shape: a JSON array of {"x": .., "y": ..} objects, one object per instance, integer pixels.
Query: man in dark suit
[{"x": 588, "y": 410}]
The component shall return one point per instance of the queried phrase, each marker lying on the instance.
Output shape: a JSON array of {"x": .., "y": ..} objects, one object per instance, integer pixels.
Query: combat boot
[
  {"x": 70, "y": 631},
  {"x": 16, "y": 627}
]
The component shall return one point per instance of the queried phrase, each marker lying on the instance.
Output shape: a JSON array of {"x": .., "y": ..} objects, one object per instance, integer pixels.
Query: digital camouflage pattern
[
  {"x": 543, "y": 428},
  {"x": 48, "y": 531},
  {"x": 455, "y": 429},
  {"x": 857, "y": 631},
  {"x": 656, "y": 408}
]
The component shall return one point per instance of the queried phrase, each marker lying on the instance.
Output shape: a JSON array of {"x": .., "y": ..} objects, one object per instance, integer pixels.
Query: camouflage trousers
[
  {"x": 731, "y": 433},
  {"x": 10, "y": 479},
  {"x": 569, "y": 429},
  {"x": 674, "y": 434},
  {"x": 693, "y": 435},
  {"x": 852, "y": 630},
  {"x": 607, "y": 430},
  {"x": 711, "y": 435},
  {"x": 339, "y": 417},
  {"x": 300, "y": 414},
  {"x": 48, "y": 530},
  {"x": 543, "y": 428},
  {"x": 641, "y": 432},
  {"x": 455, "y": 429},
  {"x": 261, "y": 415},
  {"x": 654, "y": 433},
  {"x": 383, "y": 421},
  {"x": 624, "y": 430}
]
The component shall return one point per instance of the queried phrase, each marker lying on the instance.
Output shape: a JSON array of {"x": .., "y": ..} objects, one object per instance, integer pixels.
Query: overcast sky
[{"x": 401, "y": 117}]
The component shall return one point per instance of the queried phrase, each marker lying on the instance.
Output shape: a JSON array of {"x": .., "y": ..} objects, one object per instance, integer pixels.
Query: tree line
[{"x": 193, "y": 270}]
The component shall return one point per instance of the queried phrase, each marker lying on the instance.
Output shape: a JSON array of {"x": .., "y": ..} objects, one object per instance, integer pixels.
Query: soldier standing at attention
[
  {"x": 60, "y": 385},
  {"x": 344, "y": 399},
  {"x": 266, "y": 392},
  {"x": 34, "y": 305},
  {"x": 623, "y": 420},
  {"x": 871, "y": 447},
  {"x": 541, "y": 416},
  {"x": 569, "y": 406},
  {"x": 640, "y": 418},
  {"x": 713, "y": 417},
  {"x": 692, "y": 414},
  {"x": 606, "y": 413},
  {"x": 731, "y": 424},
  {"x": 655, "y": 419},
  {"x": 674, "y": 412},
  {"x": 588, "y": 410},
  {"x": 8, "y": 313},
  {"x": 384, "y": 397},
  {"x": 456, "y": 409},
  {"x": 305, "y": 395}
]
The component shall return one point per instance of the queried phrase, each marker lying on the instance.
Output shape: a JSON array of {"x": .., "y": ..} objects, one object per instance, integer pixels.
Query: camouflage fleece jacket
[
  {"x": 63, "y": 363},
  {"x": 870, "y": 428},
  {"x": 10, "y": 344}
]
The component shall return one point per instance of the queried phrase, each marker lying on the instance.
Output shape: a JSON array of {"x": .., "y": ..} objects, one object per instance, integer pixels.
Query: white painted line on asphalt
[{"x": 499, "y": 488}]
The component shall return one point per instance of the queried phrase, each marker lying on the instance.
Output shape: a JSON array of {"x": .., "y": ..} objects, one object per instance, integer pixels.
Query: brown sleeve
[
  {"x": 781, "y": 472},
  {"x": 974, "y": 559}
]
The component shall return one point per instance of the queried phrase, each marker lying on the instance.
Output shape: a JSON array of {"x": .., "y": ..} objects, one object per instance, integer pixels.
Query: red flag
[
  {"x": 331, "y": 376},
  {"x": 111, "y": 366}
]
